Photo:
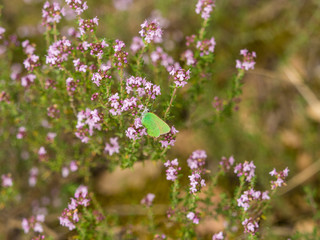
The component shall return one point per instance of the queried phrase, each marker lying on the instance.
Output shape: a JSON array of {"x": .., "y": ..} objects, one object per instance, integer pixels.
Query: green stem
[{"x": 170, "y": 104}]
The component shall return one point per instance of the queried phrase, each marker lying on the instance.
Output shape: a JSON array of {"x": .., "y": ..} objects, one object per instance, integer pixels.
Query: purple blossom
[
  {"x": 73, "y": 166},
  {"x": 88, "y": 25},
  {"x": 251, "y": 195},
  {"x": 96, "y": 49},
  {"x": 53, "y": 111},
  {"x": 142, "y": 87},
  {"x": 120, "y": 56},
  {"x": 136, "y": 131},
  {"x": 136, "y": 45},
  {"x": 88, "y": 120},
  {"x": 21, "y": 133},
  {"x": 280, "y": 178},
  {"x": 31, "y": 62},
  {"x": 206, "y": 46},
  {"x": 245, "y": 169},
  {"x": 172, "y": 169},
  {"x": 71, "y": 215},
  {"x": 59, "y": 52},
  {"x": 28, "y": 48},
  {"x": 42, "y": 153},
  {"x": 27, "y": 80},
  {"x": 51, "y": 136},
  {"x": 218, "y": 236},
  {"x": 188, "y": 57},
  {"x": 71, "y": 85},
  {"x": 78, "y": 5},
  {"x": 160, "y": 57},
  {"x": 226, "y": 163},
  {"x": 33, "y": 223},
  {"x": 151, "y": 31},
  {"x": 169, "y": 138},
  {"x": 181, "y": 76},
  {"x": 148, "y": 200},
  {"x": 197, "y": 159},
  {"x": 6, "y": 180},
  {"x": 65, "y": 172},
  {"x": 193, "y": 217},
  {"x": 250, "y": 226},
  {"x": 248, "y": 60},
  {"x": 79, "y": 66},
  {"x": 51, "y": 13},
  {"x": 113, "y": 147},
  {"x": 102, "y": 74},
  {"x": 205, "y": 7}
]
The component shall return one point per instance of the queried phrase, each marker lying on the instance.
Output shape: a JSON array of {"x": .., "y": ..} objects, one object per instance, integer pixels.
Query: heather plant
[{"x": 78, "y": 105}]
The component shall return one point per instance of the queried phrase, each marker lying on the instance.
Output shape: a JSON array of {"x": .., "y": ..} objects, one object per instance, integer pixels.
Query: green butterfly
[{"x": 155, "y": 126}]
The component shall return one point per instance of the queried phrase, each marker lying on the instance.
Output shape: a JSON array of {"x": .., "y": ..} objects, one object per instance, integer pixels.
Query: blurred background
[{"x": 277, "y": 124}]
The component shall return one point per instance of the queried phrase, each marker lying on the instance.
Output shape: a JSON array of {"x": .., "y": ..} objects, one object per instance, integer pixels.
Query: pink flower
[
  {"x": 248, "y": 60},
  {"x": 151, "y": 31},
  {"x": 172, "y": 169},
  {"x": 6, "y": 180},
  {"x": 21, "y": 133},
  {"x": 181, "y": 76},
  {"x": 113, "y": 147},
  {"x": 78, "y": 5},
  {"x": 136, "y": 45},
  {"x": 218, "y": 236},
  {"x": 148, "y": 199},
  {"x": 205, "y": 7},
  {"x": 193, "y": 217}
]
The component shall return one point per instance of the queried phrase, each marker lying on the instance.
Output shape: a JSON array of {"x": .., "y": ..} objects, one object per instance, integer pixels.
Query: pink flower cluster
[
  {"x": 196, "y": 163},
  {"x": 88, "y": 120},
  {"x": 96, "y": 49},
  {"x": 21, "y": 133},
  {"x": 32, "y": 61},
  {"x": 245, "y": 169},
  {"x": 205, "y": 7},
  {"x": 6, "y": 180},
  {"x": 142, "y": 87},
  {"x": 58, "y": 52},
  {"x": 88, "y": 25},
  {"x": 148, "y": 199},
  {"x": 160, "y": 57},
  {"x": 120, "y": 56},
  {"x": 33, "y": 223},
  {"x": 136, "y": 45},
  {"x": 71, "y": 215},
  {"x": 169, "y": 138},
  {"x": 281, "y": 176},
  {"x": 206, "y": 46},
  {"x": 251, "y": 195},
  {"x": 136, "y": 131},
  {"x": 79, "y": 66},
  {"x": 180, "y": 76},
  {"x": 53, "y": 111},
  {"x": 42, "y": 154},
  {"x": 71, "y": 85},
  {"x": 51, "y": 13},
  {"x": 250, "y": 226},
  {"x": 118, "y": 106},
  {"x": 248, "y": 60},
  {"x": 102, "y": 74},
  {"x": 151, "y": 31},
  {"x": 193, "y": 217},
  {"x": 218, "y": 236},
  {"x": 113, "y": 147},
  {"x": 226, "y": 163},
  {"x": 78, "y": 5},
  {"x": 27, "y": 80},
  {"x": 159, "y": 237},
  {"x": 172, "y": 169},
  {"x": 188, "y": 57},
  {"x": 40, "y": 237},
  {"x": 73, "y": 166}
]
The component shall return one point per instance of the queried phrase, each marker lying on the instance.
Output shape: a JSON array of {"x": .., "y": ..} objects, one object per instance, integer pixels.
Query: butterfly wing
[
  {"x": 161, "y": 125},
  {"x": 151, "y": 126}
]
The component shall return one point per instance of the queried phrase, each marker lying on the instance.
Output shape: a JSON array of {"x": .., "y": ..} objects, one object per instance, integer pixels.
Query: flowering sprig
[
  {"x": 251, "y": 196},
  {"x": 226, "y": 163},
  {"x": 281, "y": 176},
  {"x": 248, "y": 60},
  {"x": 172, "y": 169},
  {"x": 6, "y": 180},
  {"x": 250, "y": 226},
  {"x": 33, "y": 223},
  {"x": 148, "y": 200},
  {"x": 88, "y": 25},
  {"x": 51, "y": 13},
  {"x": 196, "y": 163},
  {"x": 112, "y": 147},
  {"x": 206, "y": 46},
  {"x": 72, "y": 214},
  {"x": 78, "y": 5},
  {"x": 204, "y": 8},
  {"x": 169, "y": 139},
  {"x": 246, "y": 169},
  {"x": 151, "y": 31}
]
